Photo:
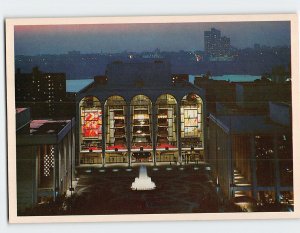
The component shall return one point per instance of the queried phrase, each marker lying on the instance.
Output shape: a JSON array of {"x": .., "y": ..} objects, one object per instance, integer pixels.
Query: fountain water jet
[{"x": 143, "y": 182}]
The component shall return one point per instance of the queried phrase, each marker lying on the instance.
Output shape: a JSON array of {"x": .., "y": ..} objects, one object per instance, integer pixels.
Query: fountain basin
[{"x": 143, "y": 182}]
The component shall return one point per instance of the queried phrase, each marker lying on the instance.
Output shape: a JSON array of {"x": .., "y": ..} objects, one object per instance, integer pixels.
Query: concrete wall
[
  {"x": 22, "y": 120},
  {"x": 258, "y": 95},
  {"x": 26, "y": 176},
  {"x": 65, "y": 164},
  {"x": 138, "y": 74},
  {"x": 219, "y": 157},
  {"x": 241, "y": 155},
  {"x": 280, "y": 113},
  {"x": 239, "y": 95},
  {"x": 27, "y": 172}
]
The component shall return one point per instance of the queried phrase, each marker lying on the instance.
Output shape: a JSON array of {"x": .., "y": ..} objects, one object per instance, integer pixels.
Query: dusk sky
[{"x": 34, "y": 40}]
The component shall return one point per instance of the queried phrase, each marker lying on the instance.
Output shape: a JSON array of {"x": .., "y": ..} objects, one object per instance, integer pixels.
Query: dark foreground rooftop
[
  {"x": 247, "y": 124},
  {"x": 47, "y": 126}
]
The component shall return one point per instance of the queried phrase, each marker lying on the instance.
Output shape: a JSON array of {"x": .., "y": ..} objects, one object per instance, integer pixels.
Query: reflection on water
[{"x": 230, "y": 77}]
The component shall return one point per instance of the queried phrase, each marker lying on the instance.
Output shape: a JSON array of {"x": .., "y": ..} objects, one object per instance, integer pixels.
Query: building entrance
[
  {"x": 141, "y": 157},
  {"x": 192, "y": 156}
]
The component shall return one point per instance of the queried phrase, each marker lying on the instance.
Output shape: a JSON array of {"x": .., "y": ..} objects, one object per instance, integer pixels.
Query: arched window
[
  {"x": 166, "y": 122},
  {"x": 141, "y": 108},
  {"x": 116, "y": 123},
  {"x": 90, "y": 124},
  {"x": 191, "y": 121}
]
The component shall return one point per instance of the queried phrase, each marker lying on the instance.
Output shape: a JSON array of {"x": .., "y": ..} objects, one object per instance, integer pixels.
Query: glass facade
[
  {"x": 191, "y": 122},
  {"x": 90, "y": 130},
  {"x": 285, "y": 158},
  {"x": 266, "y": 197},
  {"x": 166, "y": 122},
  {"x": 149, "y": 129},
  {"x": 116, "y": 123},
  {"x": 141, "y": 128},
  {"x": 166, "y": 129},
  {"x": 90, "y": 124},
  {"x": 116, "y": 143},
  {"x": 264, "y": 153},
  {"x": 287, "y": 198}
]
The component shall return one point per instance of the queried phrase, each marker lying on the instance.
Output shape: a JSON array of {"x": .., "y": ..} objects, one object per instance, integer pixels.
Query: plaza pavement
[{"x": 184, "y": 189}]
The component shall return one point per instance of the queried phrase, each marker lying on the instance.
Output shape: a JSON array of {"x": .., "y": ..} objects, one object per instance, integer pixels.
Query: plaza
[{"x": 179, "y": 189}]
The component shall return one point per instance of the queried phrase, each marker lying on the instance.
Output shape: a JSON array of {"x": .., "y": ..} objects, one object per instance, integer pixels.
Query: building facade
[
  {"x": 258, "y": 94},
  {"x": 43, "y": 92},
  {"x": 140, "y": 112},
  {"x": 251, "y": 156},
  {"x": 45, "y": 159},
  {"x": 217, "y": 91},
  {"x": 216, "y": 47}
]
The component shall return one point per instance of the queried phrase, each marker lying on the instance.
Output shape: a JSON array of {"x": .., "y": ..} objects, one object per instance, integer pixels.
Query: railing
[
  {"x": 90, "y": 158},
  {"x": 117, "y": 159}
]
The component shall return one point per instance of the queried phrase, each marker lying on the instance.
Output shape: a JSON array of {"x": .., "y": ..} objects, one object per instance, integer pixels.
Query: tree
[
  {"x": 279, "y": 74},
  {"x": 207, "y": 75}
]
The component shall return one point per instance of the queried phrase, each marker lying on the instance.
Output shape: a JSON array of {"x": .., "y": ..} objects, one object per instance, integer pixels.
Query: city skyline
[{"x": 114, "y": 38}]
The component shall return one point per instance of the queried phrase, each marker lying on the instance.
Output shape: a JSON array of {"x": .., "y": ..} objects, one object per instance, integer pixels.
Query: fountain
[{"x": 143, "y": 182}]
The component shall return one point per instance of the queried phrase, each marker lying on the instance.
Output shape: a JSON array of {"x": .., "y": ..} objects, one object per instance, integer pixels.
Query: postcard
[{"x": 152, "y": 118}]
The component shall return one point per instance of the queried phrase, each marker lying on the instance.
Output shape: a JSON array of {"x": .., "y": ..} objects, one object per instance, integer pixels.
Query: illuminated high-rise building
[
  {"x": 216, "y": 46},
  {"x": 43, "y": 92}
]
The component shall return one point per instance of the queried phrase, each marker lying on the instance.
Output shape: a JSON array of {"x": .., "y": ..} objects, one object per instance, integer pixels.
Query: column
[
  {"x": 128, "y": 131},
  {"x": 35, "y": 173},
  {"x": 70, "y": 159},
  {"x": 64, "y": 167},
  {"x": 61, "y": 166},
  {"x": 56, "y": 172},
  {"x": 178, "y": 122},
  {"x": 276, "y": 167},
  {"x": 73, "y": 154},
  {"x": 230, "y": 161},
  {"x": 204, "y": 133},
  {"x": 217, "y": 151},
  {"x": 253, "y": 165},
  {"x": 77, "y": 135},
  {"x": 104, "y": 116},
  {"x": 154, "y": 131}
]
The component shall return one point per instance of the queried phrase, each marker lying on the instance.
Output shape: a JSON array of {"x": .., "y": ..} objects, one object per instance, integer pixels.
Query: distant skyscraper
[{"x": 217, "y": 47}]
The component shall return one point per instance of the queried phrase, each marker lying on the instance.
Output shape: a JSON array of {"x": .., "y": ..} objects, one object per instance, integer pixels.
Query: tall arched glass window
[
  {"x": 116, "y": 123},
  {"x": 191, "y": 121},
  {"x": 166, "y": 122},
  {"x": 141, "y": 122},
  {"x": 90, "y": 124}
]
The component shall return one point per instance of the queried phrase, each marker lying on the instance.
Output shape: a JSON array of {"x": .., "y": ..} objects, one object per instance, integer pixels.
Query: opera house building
[{"x": 140, "y": 112}]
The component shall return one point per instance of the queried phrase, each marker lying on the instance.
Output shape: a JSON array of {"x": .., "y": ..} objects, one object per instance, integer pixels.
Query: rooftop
[
  {"x": 38, "y": 127},
  {"x": 19, "y": 110},
  {"x": 75, "y": 85},
  {"x": 130, "y": 79},
  {"x": 283, "y": 104},
  {"x": 231, "y": 108},
  {"x": 138, "y": 74},
  {"x": 247, "y": 124},
  {"x": 263, "y": 83}
]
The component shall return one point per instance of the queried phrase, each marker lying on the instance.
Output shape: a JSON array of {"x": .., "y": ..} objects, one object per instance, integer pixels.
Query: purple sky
[{"x": 33, "y": 40}]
